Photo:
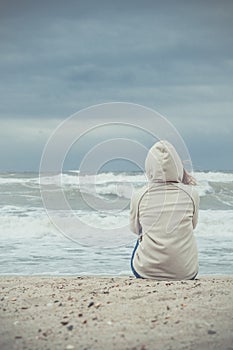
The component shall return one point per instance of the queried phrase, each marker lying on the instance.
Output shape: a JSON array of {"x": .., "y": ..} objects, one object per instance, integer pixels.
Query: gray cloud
[{"x": 58, "y": 57}]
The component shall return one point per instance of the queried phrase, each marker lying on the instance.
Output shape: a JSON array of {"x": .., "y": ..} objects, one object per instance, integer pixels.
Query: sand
[{"x": 115, "y": 313}]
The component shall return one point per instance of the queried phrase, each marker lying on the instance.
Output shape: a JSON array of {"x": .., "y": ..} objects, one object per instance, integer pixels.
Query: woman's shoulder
[
  {"x": 190, "y": 190},
  {"x": 139, "y": 192}
]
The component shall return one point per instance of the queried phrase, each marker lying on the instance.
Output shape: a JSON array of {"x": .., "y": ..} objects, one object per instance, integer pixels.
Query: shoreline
[{"x": 118, "y": 312}]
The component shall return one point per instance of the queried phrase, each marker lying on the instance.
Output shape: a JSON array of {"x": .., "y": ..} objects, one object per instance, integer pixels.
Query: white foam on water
[
  {"x": 213, "y": 176},
  {"x": 218, "y": 223},
  {"x": 17, "y": 180},
  {"x": 31, "y": 222},
  {"x": 103, "y": 178},
  {"x": 118, "y": 189},
  {"x": 87, "y": 228},
  {"x": 205, "y": 181},
  {"x": 111, "y": 183},
  {"x": 17, "y": 225},
  {"x": 66, "y": 179}
]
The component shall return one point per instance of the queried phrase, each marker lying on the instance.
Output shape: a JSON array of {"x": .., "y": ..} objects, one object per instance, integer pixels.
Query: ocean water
[{"x": 88, "y": 234}]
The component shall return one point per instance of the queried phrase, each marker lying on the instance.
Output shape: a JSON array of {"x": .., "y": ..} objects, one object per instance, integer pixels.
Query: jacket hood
[{"x": 163, "y": 163}]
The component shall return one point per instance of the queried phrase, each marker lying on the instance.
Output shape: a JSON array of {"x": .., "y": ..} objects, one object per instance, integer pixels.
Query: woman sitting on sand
[{"x": 164, "y": 214}]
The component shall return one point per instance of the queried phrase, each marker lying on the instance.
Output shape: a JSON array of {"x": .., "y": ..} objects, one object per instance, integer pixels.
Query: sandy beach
[{"x": 115, "y": 313}]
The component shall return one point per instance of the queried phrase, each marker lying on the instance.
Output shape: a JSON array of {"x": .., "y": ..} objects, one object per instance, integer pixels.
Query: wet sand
[{"x": 115, "y": 313}]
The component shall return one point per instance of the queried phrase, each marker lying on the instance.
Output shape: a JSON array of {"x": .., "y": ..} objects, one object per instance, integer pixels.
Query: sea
[{"x": 88, "y": 233}]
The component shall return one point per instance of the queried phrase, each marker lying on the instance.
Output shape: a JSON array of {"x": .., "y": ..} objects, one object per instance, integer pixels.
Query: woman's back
[
  {"x": 164, "y": 214},
  {"x": 167, "y": 249}
]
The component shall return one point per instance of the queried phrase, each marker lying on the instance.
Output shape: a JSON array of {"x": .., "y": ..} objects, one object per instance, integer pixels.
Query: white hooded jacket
[{"x": 164, "y": 214}]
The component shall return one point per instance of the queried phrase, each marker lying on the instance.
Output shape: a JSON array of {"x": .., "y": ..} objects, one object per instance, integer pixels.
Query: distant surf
[{"x": 31, "y": 244}]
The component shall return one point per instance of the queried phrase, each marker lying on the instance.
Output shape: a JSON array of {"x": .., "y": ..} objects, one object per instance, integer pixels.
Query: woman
[{"x": 164, "y": 214}]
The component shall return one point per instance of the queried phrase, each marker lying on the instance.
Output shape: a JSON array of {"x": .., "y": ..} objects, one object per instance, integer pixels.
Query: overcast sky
[{"x": 57, "y": 57}]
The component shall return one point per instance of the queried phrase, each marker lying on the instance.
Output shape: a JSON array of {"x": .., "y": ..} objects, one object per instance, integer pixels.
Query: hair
[{"x": 188, "y": 179}]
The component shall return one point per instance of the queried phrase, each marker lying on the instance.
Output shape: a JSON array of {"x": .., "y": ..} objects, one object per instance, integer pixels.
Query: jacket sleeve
[
  {"x": 196, "y": 201},
  {"x": 135, "y": 226}
]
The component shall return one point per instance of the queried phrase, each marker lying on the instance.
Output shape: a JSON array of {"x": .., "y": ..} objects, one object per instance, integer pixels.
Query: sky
[{"x": 58, "y": 57}]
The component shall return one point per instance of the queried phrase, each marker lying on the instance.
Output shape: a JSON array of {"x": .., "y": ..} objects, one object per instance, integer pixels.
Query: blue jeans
[
  {"x": 132, "y": 267},
  {"x": 194, "y": 276}
]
